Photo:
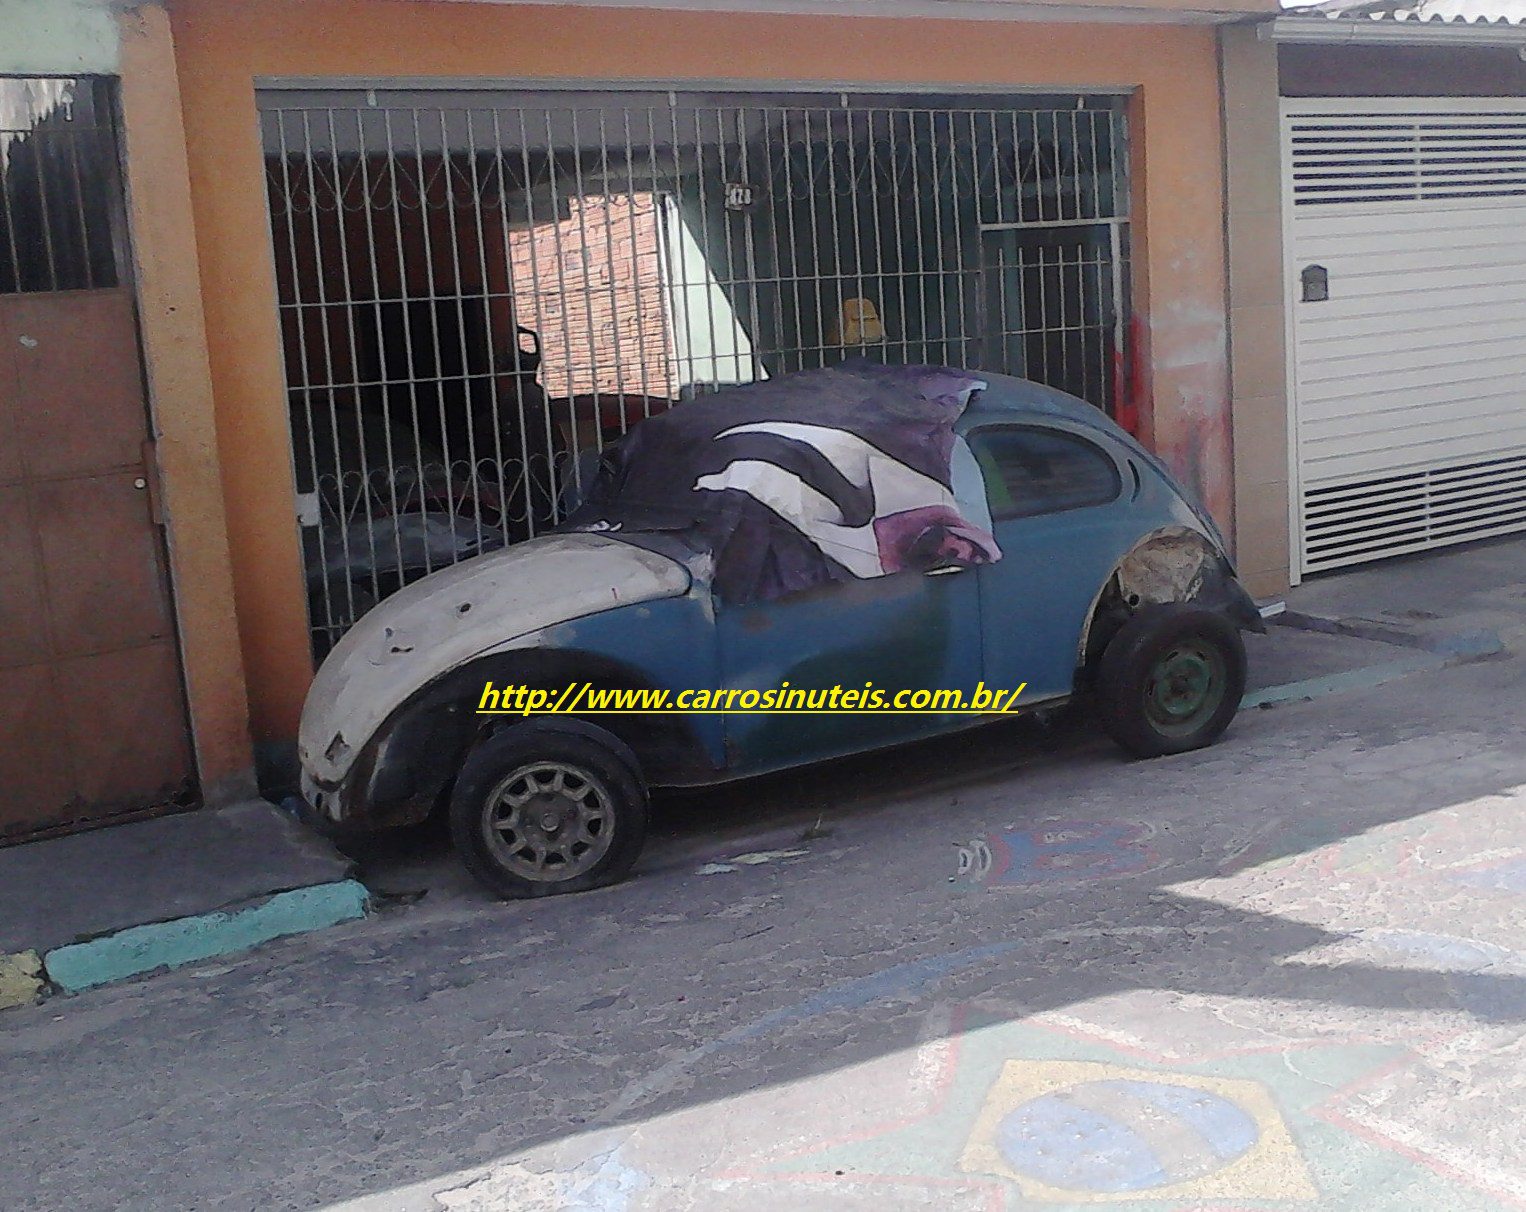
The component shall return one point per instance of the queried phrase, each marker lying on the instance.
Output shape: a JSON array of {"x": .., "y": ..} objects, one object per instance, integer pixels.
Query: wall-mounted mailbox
[{"x": 1316, "y": 283}]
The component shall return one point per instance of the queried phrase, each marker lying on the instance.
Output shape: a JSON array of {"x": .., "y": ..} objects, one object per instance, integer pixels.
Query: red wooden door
[{"x": 92, "y": 715}]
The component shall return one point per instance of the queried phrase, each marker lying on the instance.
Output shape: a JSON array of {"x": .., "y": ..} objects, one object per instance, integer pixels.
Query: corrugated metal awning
[{"x": 1405, "y": 23}]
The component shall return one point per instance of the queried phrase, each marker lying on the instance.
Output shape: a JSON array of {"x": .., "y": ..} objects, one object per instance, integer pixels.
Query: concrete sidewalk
[
  {"x": 94, "y": 907},
  {"x": 1464, "y": 601}
]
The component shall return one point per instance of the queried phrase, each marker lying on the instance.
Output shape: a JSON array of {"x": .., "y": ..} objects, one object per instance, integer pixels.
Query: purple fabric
[{"x": 792, "y": 482}]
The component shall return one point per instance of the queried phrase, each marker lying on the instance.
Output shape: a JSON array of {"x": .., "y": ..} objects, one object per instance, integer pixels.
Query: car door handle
[{"x": 944, "y": 571}]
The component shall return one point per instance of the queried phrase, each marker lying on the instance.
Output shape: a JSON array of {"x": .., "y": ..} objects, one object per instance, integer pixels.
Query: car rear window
[{"x": 1031, "y": 470}]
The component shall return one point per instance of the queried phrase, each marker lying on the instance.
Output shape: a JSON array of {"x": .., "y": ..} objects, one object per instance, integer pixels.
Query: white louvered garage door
[{"x": 1409, "y": 410}]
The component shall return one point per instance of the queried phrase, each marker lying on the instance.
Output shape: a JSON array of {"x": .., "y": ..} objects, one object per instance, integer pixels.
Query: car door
[
  {"x": 1061, "y": 510},
  {"x": 907, "y": 630}
]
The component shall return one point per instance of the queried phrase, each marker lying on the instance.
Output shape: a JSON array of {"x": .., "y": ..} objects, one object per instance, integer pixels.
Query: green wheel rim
[{"x": 1185, "y": 687}]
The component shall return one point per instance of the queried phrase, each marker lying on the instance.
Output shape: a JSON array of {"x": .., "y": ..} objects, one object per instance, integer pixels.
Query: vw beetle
[{"x": 1113, "y": 587}]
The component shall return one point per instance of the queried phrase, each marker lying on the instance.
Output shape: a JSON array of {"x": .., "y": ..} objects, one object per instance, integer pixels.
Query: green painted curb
[
  {"x": 20, "y": 979},
  {"x": 1363, "y": 678},
  {"x": 139, "y": 949}
]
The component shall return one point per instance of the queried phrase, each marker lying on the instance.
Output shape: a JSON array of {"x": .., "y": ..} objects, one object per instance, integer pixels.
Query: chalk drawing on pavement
[
  {"x": 1058, "y": 851},
  {"x": 1090, "y": 1131}
]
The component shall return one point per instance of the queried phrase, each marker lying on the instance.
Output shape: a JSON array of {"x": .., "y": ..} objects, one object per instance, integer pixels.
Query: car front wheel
[
  {"x": 539, "y": 810},
  {"x": 1171, "y": 679}
]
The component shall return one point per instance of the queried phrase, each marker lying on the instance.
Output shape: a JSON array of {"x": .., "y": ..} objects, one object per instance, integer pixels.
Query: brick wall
[{"x": 591, "y": 286}]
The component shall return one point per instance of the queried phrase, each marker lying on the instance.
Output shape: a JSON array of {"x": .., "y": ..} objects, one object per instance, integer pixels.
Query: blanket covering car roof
[{"x": 793, "y": 482}]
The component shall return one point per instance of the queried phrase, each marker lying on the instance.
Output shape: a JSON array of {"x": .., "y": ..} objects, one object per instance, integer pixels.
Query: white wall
[{"x": 58, "y": 37}]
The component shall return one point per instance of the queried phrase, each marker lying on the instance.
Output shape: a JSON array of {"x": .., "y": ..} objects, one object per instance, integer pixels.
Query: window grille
[{"x": 57, "y": 166}]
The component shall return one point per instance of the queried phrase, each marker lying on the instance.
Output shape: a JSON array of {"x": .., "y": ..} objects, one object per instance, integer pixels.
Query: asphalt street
[{"x": 1007, "y": 970}]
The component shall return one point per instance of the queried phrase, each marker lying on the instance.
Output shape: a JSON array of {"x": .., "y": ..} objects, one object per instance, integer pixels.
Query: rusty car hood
[{"x": 444, "y": 620}]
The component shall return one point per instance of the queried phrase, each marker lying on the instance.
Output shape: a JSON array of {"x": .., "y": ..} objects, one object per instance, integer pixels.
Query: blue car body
[{"x": 382, "y": 750}]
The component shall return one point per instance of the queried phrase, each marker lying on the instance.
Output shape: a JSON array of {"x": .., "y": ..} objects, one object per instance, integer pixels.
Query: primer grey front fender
[{"x": 445, "y": 620}]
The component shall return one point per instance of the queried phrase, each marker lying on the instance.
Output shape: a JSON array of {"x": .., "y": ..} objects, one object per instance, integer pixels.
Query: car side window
[{"x": 1031, "y": 470}]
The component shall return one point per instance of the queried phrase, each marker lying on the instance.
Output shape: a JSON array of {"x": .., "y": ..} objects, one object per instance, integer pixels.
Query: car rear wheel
[
  {"x": 542, "y": 809},
  {"x": 1171, "y": 679}
]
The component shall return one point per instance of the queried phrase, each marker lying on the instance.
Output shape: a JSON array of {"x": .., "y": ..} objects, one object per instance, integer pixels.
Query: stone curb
[
  {"x": 1470, "y": 644},
  {"x": 1364, "y": 677},
  {"x": 136, "y": 950}
]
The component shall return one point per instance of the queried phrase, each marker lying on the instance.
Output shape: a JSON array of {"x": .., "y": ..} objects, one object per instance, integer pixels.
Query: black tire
[
  {"x": 512, "y": 774},
  {"x": 1171, "y": 679}
]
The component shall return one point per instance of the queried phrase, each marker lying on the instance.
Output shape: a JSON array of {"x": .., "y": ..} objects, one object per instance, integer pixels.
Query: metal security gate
[
  {"x": 479, "y": 290},
  {"x": 1407, "y": 266}
]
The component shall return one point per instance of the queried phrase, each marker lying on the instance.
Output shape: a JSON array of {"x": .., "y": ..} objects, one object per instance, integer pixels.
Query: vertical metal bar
[
  {"x": 1120, "y": 161},
  {"x": 1095, "y": 176},
  {"x": 683, "y": 318},
  {"x": 797, "y": 359},
  {"x": 822, "y": 273},
  {"x": 1043, "y": 165},
  {"x": 1044, "y": 326},
  {"x": 77, "y": 178},
  {"x": 10, "y": 223},
  {"x": 326, "y": 343},
  {"x": 1062, "y": 276},
  {"x": 575, "y": 439},
  {"x": 914, "y": 146},
  {"x": 962, "y": 269},
  {"x": 662, "y": 191},
  {"x": 998, "y": 161},
  {"x": 305, "y": 391},
  {"x": 892, "y": 147},
  {"x": 853, "y": 201},
  {"x": 347, "y": 303},
  {"x": 707, "y": 245},
  {"x": 479, "y": 204},
  {"x": 1018, "y": 214},
  {"x": 40, "y": 144},
  {"x": 838, "y": 276},
  {"x": 486, "y": 299},
  {"x": 977, "y": 330},
  {"x": 771, "y": 194},
  {"x": 607, "y": 204},
  {"x": 1101, "y": 327},
  {"x": 876, "y": 225},
  {"x": 1004, "y": 319},
  {"x": 431, "y": 297},
  {"x": 633, "y": 217},
  {"x": 732, "y": 281},
  {"x": 410, "y": 381},
  {"x": 813, "y": 274},
  {"x": 364, "y": 155},
  {"x": 1120, "y": 350},
  {"x": 523, "y": 428},
  {"x": 511, "y": 309},
  {"x": 749, "y": 251},
  {"x": 614, "y": 288},
  {"x": 938, "y": 227},
  {"x": 1075, "y": 164},
  {"x": 556, "y": 228},
  {"x": 468, "y": 383}
]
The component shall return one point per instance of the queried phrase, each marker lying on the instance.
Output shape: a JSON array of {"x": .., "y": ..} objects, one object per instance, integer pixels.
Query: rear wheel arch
[{"x": 1172, "y": 564}]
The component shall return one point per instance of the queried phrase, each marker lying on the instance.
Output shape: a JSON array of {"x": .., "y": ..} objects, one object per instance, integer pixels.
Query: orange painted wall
[{"x": 223, "y": 46}]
